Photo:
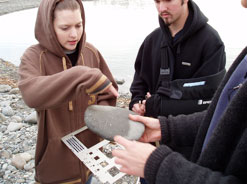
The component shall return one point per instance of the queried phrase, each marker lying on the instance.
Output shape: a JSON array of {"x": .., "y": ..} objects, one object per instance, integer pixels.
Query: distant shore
[{"x": 9, "y": 6}]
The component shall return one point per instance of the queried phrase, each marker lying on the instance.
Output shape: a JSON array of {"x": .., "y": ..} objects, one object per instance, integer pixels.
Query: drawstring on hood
[{"x": 65, "y": 68}]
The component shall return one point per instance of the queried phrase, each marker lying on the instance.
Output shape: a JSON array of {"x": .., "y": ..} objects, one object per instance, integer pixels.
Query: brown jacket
[{"x": 60, "y": 94}]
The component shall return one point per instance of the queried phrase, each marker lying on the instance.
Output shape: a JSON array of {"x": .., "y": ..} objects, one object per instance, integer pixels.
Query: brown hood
[{"x": 44, "y": 30}]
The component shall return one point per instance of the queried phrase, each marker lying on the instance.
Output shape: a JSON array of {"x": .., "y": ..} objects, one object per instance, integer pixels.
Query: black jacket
[
  {"x": 198, "y": 52},
  {"x": 224, "y": 159}
]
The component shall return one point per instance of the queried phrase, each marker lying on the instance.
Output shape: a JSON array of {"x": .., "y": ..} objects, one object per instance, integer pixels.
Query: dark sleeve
[
  {"x": 167, "y": 167},
  {"x": 181, "y": 130},
  {"x": 138, "y": 87}
]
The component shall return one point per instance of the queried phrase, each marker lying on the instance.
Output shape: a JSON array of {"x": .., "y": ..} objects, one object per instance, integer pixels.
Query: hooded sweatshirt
[
  {"x": 195, "y": 52},
  {"x": 60, "y": 94}
]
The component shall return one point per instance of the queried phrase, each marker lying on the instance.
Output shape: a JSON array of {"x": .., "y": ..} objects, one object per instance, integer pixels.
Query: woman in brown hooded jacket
[{"x": 60, "y": 77}]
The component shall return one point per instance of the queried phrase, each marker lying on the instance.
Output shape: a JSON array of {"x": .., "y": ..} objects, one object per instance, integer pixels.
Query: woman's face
[{"x": 68, "y": 28}]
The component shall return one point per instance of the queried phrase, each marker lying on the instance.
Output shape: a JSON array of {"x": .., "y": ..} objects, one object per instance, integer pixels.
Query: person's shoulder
[
  {"x": 210, "y": 32},
  {"x": 90, "y": 48},
  {"x": 35, "y": 49}
]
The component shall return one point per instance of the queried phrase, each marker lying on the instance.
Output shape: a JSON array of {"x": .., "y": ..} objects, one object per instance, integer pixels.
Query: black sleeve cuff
[
  {"x": 165, "y": 136},
  {"x": 153, "y": 163}
]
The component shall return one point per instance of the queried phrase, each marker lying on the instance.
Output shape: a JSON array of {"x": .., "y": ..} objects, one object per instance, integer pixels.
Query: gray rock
[
  {"x": 20, "y": 181},
  {"x": 16, "y": 118},
  {"x": 18, "y": 162},
  {"x": 4, "y": 88},
  {"x": 11, "y": 168},
  {"x": 31, "y": 118},
  {"x": 5, "y": 103},
  {"x": 14, "y": 126},
  {"x": 14, "y": 91},
  {"x": 5, "y": 154},
  {"x": 119, "y": 81},
  {"x": 29, "y": 165},
  {"x": 26, "y": 156},
  {"x": 4, "y": 167},
  {"x": 8, "y": 111},
  {"x": 107, "y": 122},
  {"x": 2, "y": 118}
]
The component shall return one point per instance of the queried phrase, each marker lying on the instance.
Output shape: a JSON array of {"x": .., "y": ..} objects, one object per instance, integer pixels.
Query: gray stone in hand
[{"x": 108, "y": 121}]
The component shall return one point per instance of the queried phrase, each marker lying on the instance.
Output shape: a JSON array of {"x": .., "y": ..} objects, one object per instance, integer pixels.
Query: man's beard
[
  {"x": 167, "y": 23},
  {"x": 166, "y": 20}
]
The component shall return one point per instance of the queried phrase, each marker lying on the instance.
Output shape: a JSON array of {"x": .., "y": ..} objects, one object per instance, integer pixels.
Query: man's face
[{"x": 171, "y": 10}]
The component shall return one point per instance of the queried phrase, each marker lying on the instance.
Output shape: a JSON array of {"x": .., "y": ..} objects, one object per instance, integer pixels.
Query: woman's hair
[{"x": 66, "y": 5}]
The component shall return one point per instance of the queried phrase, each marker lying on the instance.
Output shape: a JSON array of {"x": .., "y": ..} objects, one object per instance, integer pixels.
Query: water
[{"x": 117, "y": 29}]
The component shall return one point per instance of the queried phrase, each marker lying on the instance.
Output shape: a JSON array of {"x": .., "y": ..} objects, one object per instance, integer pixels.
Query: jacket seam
[{"x": 95, "y": 53}]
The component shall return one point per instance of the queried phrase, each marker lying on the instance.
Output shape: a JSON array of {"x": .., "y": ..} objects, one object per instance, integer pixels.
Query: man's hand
[
  {"x": 133, "y": 158},
  {"x": 152, "y": 131},
  {"x": 140, "y": 107}
]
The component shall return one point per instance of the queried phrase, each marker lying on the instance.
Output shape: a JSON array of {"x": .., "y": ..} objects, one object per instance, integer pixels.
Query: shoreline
[{"x": 10, "y": 6}]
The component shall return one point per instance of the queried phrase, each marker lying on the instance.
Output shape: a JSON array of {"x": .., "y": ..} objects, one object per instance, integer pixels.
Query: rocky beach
[{"x": 18, "y": 123}]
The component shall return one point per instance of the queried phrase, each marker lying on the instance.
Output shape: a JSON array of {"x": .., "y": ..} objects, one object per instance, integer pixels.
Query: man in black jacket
[
  {"x": 218, "y": 136},
  {"x": 180, "y": 64}
]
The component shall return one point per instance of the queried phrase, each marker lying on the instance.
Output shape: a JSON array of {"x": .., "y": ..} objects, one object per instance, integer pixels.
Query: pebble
[
  {"x": 108, "y": 121},
  {"x": 4, "y": 88},
  {"x": 14, "y": 126},
  {"x": 17, "y": 119},
  {"x": 8, "y": 111},
  {"x": 4, "y": 167},
  {"x": 14, "y": 91},
  {"x": 31, "y": 118},
  {"x": 5, "y": 154},
  {"x": 18, "y": 162},
  {"x": 29, "y": 166},
  {"x": 119, "y": 81},
  {"x": 26, "y": 156},
  {"x": 2, "y": 118}
]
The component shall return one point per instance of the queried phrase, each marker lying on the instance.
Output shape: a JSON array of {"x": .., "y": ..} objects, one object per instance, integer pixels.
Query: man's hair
[{"x": 67, "y": 5}]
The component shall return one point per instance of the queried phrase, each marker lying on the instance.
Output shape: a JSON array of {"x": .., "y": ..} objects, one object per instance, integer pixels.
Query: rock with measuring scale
[{"x": 108, "y": 121}]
